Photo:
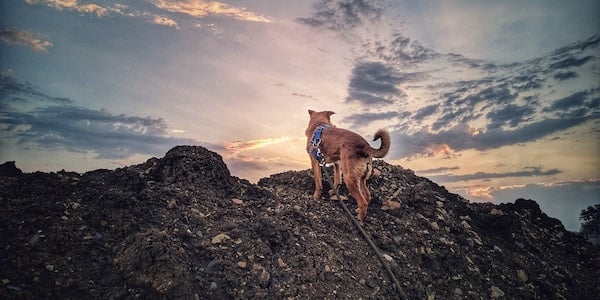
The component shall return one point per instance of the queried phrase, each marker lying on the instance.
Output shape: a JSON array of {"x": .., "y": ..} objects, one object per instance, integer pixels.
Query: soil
[{"x": 181, "y": 227}]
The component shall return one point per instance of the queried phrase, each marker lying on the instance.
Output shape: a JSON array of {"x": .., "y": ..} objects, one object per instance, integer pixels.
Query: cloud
[
  {"x": 400, "y": 51},
  {"x": 201, "y": 9},
  {"x": 74, "y": 5},
  {"x": 425, "y": 111},
  {"x": 577, "y": 104},
  {"x": 55, "y": 123},
  {"x": 24, "y": 38},
  {"x": 463, "y": 137},
  {"x": 565, "y": 75},
  {"x": 343, "y": 15},
  {"x": 376, "y": 83},
  {"x": 528, "y": 172},
  {"x": 511, "y": 114},
  {"x": 82, "y": 129},
  {"x": 364, "y": 119},
  {"x": 235, "y": 147},
  {"x": 13, "y": 91},
  {"x": 165, "y": 21},
  {"x": 438, "y": 170},
  {"x": 99, "y": 11}
]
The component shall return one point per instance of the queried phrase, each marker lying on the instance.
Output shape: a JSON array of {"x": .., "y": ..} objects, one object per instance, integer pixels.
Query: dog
[{"x": 346, "y": 150}]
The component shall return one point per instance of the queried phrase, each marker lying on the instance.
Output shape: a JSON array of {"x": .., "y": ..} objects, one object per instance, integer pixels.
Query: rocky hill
[{"x": 181, "y": 227}]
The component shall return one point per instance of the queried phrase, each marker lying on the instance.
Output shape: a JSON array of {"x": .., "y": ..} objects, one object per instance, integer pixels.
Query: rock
[
  {"x": 220, "y": 238},
  {"x": 213, "y": 285},
  {"x": 387, "y": 257},
  {"x": 522, "y": 275},
  {"x": 434, "y": 226},
  {"x": 34, "y": 239},
  {"x": 214, "y": 266},
  {"x": 262, "y": 275},
  {"x": 237, "y": 201},
  {"x": 496, "y": 292},
  {"x": 391, "y": 204},
  {"x": 242, "y": 264},
  {"x": 9, "y": 169},
  {"x": 496, "y": 212}
]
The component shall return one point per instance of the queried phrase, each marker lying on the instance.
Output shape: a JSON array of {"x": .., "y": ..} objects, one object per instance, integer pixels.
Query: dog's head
[{"x": 319, "y": 117}]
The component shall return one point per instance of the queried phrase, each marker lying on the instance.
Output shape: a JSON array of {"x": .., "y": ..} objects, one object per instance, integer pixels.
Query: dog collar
[{"x": 315, "y": 143}]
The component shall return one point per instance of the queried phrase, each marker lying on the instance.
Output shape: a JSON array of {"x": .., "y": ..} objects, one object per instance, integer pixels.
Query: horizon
[{"x": 493, "y": 110}]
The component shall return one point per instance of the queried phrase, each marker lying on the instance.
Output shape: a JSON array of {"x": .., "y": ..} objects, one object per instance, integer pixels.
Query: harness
[{"x": 315, "y": 144}]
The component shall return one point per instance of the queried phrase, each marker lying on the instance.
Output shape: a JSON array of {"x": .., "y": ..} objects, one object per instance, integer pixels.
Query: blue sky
[{"x": 494, "y": 100}]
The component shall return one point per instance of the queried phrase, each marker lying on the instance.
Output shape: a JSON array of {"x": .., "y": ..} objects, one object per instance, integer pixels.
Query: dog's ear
[
  {"x": 329, "y": 113},
  {"x": 310, "y": 111}
]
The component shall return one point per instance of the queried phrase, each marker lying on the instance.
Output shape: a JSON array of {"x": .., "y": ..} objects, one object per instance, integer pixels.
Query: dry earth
[{"x": 181, "y": 227}]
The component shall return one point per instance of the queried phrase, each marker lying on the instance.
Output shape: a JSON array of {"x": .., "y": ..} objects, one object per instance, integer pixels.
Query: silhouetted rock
[
  {"x": 181, "y": 227},
  {"x": 9, "y": 169}
]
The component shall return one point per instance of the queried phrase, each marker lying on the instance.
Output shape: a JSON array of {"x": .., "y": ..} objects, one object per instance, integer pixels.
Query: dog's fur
[{"x": 348, "y": 151}]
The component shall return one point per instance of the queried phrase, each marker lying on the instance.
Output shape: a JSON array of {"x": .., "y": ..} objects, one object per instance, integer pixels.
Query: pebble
[
  {"x": 388, "y": 258},
  {"x": 219, "y": 238},
  {"x": 213, "y": 285},
  {"x": 496, "y": 292},
  {"x": 470, "y": 242},
  {"x": 213, "y": 266},
  {"x": 522, "y": 275},
  {"x": 434, "y": 226},
  {"x": 242, "y": 264},
  {"x": 496, "y": 212},
  {"x": 34, "y": 239}
]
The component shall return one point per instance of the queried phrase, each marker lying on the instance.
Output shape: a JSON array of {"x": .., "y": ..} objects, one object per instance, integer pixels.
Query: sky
[{"x": 495, "y": 100}]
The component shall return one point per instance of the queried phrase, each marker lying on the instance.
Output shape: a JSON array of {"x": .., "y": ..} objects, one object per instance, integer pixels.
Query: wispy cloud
[
  {"x": 165, "y": 21},
  {"x": 235, "y": 147},
  {"x": 13, "y": 91},
  {"x": 527, "y": 172},
  {"x": 201, "y": 9},
  {"x": 57, "y": 124},
  {"x": 24, "y": 38},
  {"x": 101, "y": 10},
  {"x": 74, "y": 5},
  {"x": 343, "y": 15}
]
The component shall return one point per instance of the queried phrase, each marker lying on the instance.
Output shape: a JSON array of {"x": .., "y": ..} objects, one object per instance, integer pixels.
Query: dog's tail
[{"x": 385, "y": 144}]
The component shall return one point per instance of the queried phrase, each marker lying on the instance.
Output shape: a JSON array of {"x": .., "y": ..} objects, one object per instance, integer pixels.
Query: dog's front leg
[
  {"x": 316, "y": 168},
  {"x": 337, "y": 181}
]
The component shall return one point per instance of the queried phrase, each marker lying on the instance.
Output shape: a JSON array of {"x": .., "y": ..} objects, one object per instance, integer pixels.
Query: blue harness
[{"x": 315, "y": 144}]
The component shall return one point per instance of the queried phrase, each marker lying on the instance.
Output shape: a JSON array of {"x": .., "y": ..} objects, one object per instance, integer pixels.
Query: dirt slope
[{"x": 181, "y": 227}]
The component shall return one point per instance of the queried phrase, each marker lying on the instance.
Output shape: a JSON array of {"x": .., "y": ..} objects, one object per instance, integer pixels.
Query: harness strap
[{"x": 315, "y": 144}]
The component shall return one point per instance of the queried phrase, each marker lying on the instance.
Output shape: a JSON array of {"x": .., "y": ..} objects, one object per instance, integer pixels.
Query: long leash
[{"x": 396, "y": 286}]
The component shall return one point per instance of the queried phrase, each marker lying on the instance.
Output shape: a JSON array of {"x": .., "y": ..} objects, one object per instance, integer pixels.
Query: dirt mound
[{"x": 181, "y": 227}]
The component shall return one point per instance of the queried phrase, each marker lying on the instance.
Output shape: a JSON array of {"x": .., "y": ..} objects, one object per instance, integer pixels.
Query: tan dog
[{"x": 347, "y": 150}]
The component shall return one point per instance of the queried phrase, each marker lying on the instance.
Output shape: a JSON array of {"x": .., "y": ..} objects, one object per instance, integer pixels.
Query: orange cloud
[
  {"x": 201, "y": 8},
  {"x": 481, "y": 192},
  {"x": 74, "y": 5},
  {"x": 443, "y": 149},
  {"x": 235, "y": 147},
  {"x": 24, "y": 38},
  {"x": 165, "y": 21}
]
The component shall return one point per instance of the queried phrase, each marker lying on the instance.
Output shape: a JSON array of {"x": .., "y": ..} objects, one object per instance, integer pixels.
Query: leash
[{"x": 396, "y": 285}]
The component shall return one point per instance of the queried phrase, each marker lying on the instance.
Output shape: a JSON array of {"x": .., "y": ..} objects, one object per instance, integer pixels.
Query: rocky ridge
[{"x": 181, "y": 227}]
